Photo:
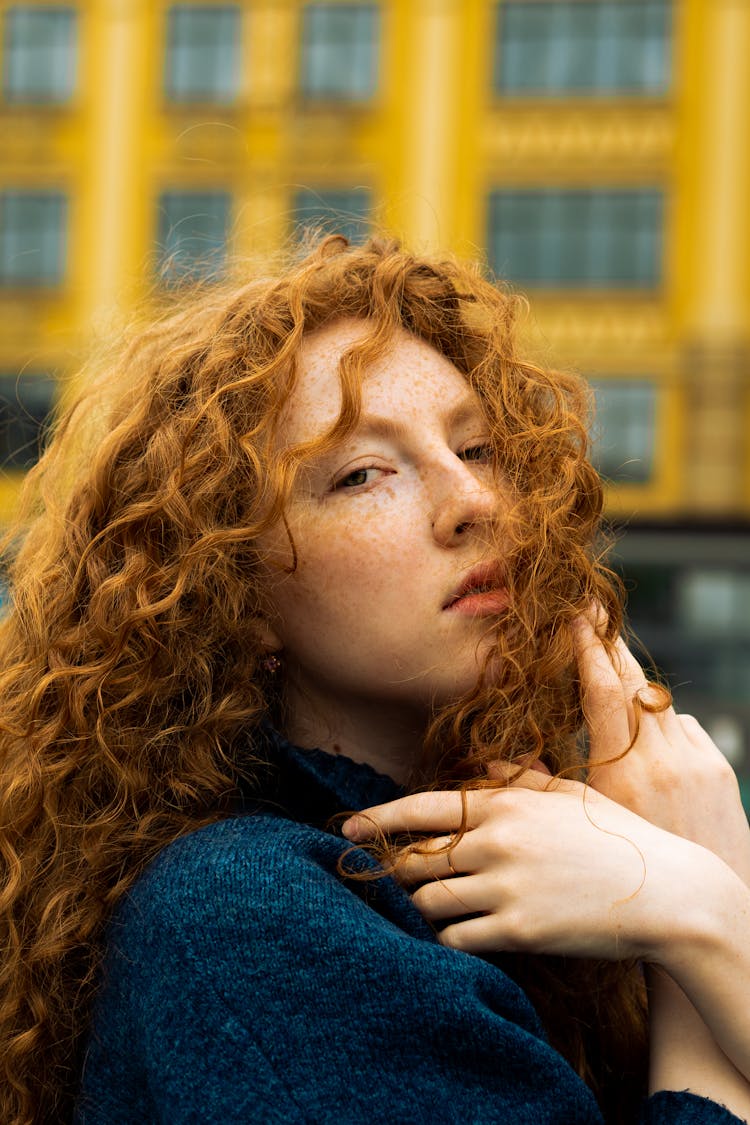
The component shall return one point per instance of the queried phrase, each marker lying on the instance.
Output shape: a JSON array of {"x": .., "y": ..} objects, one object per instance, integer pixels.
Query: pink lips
[{"x": 481, "y": 592}]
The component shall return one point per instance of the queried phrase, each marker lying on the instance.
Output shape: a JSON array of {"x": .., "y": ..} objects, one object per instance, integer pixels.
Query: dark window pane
[
  {"x": 625, "y": 429},
  {"x": 203, "y": 53},
  {"x": 339, "y": 211},
  {"x": 339, "y": 51},
  {"x": 32, "y": 238},
  {"x": 586, "y": 47},
  {"x": 579, "y": 46},
  {"x": 653, "y": 592},
  {"x": 40, "y": 54},
  {"x": 590, "y": 238},
  {"x": 694, "y": 624},
  {"x": 689, "y": 603},
  {"x": 25, "y": 407},
  {"x": 193, "y": 228},
  {"x": 715, "y": 602}
]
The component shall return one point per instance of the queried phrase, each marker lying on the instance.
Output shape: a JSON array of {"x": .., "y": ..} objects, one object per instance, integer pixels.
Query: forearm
[
  {"x": 683, "y": 1052},
  {"x": 700, "y": 1020}
]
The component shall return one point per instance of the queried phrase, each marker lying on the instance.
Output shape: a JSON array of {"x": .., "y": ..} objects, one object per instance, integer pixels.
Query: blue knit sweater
[{"x": 245, "y": 981}]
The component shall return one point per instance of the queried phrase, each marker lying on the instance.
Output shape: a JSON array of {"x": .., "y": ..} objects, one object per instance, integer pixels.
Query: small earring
[{"x": 271, "y": 663}]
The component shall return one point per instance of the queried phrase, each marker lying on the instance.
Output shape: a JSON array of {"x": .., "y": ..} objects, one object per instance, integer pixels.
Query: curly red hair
[{"x": 131, "y": 653}]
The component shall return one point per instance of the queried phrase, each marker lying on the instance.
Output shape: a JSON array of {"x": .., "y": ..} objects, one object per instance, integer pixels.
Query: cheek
[
  {"x": 362, "y": 542},
  {"x": 344, "y": 574},
  {"x": 359, "y": 561},
  {"x": 347, "y": 573}
]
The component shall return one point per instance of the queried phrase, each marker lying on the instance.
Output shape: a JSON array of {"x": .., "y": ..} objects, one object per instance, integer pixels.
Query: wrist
[
  {"x": 704, "y": 901},
  {"x": 701, "y": 1029}
]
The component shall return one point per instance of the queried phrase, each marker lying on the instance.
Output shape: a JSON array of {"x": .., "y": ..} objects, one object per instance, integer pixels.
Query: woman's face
[{"x": 388, "y": 528}]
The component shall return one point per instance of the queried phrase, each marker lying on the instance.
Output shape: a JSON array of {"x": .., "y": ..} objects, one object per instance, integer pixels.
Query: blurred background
[{"x": 594, "y": 153}]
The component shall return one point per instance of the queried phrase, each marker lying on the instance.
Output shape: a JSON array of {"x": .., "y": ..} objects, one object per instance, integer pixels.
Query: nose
[{"x": 469, "y": 502}]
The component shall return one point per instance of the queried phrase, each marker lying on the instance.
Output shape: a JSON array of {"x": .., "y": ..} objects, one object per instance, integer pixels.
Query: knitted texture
[{"x": 246, "y": 981}]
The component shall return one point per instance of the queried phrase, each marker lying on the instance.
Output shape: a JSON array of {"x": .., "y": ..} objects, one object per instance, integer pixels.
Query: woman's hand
[
  {"x": 546, "y": 866},
  {"x": 550, "y": 866},
  {"x": 674, "y": 775},
  {"x": 635, "y": 864},
  {"x": 555, "y": 867}
]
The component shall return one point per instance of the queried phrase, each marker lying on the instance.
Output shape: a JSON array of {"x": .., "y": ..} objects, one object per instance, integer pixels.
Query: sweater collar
[{"x": 313, "y": 785}]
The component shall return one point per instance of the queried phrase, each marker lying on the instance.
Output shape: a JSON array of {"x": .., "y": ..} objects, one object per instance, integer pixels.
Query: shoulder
[
  {"x": 243, "y": 941},
  {"x": 246, "y": 879},
  {"x": 239, "y": 916},
  {"x": 251, "y": 858},
  {"x": 250, "y": 849}
]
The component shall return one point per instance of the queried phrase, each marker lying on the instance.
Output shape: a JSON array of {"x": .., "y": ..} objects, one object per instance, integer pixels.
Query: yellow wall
[{"x": 431, "y": 145}]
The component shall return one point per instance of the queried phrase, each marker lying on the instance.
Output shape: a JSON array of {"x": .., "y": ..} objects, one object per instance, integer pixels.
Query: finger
[
  {"x": 419, "y": 812},
  {"x": 632, "y": 676},
  {"x": 695, "y": 733},
  {"x": 670, "y": 725},
  {"x": 603, "y": 696},
  {"x": 701, "y": 739},
  {"x": 451, "y": 898},
  {"x": 476, "y": 935},
  {"x": 597, "y": 616},
  {"x": 432, "y": 859},
  {"x": 635, "y": 685}
]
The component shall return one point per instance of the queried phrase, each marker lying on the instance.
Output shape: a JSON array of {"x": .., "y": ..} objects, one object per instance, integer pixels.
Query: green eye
[
  {"x": 355, "y": 479},
  {"x": 351, "y": 480}
]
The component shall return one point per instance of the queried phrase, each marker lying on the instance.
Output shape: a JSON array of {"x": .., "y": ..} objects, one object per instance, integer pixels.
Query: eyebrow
[{"x": 464, "y": 411}]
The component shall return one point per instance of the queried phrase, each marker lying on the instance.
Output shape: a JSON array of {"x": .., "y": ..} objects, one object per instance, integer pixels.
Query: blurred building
[{"x": 596, "y": 152}]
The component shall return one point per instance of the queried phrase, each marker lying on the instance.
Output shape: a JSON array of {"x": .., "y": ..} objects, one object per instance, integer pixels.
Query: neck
[{"x": 388, "y": 738}]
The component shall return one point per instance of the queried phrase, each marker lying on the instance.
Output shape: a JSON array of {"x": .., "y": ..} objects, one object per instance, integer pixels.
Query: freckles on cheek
[{"x": 353, "y": 555}]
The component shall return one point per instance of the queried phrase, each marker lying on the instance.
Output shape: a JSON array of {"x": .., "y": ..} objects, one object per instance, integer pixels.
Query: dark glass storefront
[{"x": 689, "y": 606}]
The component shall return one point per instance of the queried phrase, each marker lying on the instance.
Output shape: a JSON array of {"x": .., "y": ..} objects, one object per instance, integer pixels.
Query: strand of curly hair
[{"x": 131, "y": 664}]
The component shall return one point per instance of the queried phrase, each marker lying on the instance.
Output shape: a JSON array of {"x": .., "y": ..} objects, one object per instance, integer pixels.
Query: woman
[{"x": 324, "y": 544}]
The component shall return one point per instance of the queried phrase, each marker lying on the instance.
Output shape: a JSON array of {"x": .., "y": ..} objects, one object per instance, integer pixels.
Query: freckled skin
[{"x": 385, "y": 533}]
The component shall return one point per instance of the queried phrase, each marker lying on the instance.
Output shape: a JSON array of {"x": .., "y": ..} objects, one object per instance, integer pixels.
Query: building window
[
  {"x": 32, "y": 238},
  {"x": 694, "y": 620},
  {"x": 714, "y": 606},
  {"x": 625, "y": 429},
  {"x": 715, "y": 601},
  {"x": 202, "y": 62},
  {"x": 583, "y": 47},
  {"x": 336, "y": 210},
  {"x": 592, "y": 238},
  {"x": 689, "y": 603},
  {"x": 339, "y": 55},
  {"x": 25, "y": 408},
  {"x": 39, "y": 54},
  {"x": 193, "y": 230}
]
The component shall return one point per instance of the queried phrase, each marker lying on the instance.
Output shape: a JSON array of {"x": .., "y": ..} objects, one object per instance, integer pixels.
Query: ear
[{"x": 269, "y": 638}]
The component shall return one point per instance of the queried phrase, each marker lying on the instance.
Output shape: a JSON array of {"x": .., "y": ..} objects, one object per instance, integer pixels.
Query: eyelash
[
  {"x": 484, "y": 451},
  {"x": 341, "y": 482}
]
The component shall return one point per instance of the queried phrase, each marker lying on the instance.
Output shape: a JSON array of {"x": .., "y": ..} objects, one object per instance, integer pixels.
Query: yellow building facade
[{"x": 595, "y": 152}]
